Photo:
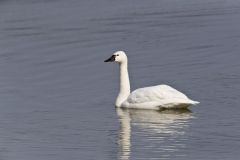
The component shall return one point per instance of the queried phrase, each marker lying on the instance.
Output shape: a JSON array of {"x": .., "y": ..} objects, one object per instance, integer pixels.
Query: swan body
[
  {"x": 157, "y": 97},
  {"x": 154, "y": 97}
]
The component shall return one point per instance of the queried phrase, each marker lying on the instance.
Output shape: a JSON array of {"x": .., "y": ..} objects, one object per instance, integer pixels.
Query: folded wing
[{"x": 155, "y": 97}]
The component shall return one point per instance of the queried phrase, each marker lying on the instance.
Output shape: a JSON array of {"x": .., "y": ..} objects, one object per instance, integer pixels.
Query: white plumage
[
  {"x": 157, "y": 97},
  {"x": 154, "y": 97}
]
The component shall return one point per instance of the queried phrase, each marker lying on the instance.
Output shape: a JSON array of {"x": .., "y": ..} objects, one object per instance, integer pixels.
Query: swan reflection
[{"x": 155, "y": 126}]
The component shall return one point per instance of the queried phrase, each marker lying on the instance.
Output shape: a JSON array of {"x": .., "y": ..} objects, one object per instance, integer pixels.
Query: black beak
[{"x": 111, "y": 59}]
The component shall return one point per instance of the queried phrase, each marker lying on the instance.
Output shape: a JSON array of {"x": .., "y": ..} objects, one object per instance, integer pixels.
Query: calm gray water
[{"x": 57, "y": 95}]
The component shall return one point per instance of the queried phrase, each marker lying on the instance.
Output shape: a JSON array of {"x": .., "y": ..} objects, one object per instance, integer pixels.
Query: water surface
[{"x": 57, "y": 96}]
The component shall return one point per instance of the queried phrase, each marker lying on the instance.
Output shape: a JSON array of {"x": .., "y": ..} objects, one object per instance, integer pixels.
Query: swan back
[{"x": 155, "y": 97}]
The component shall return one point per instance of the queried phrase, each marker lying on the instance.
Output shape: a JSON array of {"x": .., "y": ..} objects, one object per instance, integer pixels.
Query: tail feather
[{"x": 194, "y": 102}]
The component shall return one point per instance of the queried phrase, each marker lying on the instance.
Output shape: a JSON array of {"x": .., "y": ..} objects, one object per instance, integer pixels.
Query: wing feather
[{"x": 154, "y": 94}]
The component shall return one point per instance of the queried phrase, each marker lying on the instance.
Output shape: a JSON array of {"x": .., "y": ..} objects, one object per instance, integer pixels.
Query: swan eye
[{"x": 117, "y": 55}]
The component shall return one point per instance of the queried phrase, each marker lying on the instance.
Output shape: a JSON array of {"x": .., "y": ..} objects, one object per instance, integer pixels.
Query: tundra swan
[{"x": 154, "y": 97}]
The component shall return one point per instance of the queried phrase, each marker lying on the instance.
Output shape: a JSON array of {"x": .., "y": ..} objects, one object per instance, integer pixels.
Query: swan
[{"x": 154, "y": 97}]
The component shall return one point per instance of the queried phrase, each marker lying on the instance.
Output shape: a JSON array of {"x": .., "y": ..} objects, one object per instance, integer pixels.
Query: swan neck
[
  {"x": 124, "y": 84},
  {"x": 124, "y": 79}
]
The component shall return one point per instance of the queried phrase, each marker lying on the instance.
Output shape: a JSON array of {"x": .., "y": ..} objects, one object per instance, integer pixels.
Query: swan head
[{"x": 119, "y": 57}]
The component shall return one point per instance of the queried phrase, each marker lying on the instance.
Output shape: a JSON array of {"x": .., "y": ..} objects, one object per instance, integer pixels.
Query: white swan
[{"x": 154, "y": 97}]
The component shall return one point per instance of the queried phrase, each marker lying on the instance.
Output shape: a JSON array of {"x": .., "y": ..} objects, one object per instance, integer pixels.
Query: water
[{"x": 57, "y": 96}]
